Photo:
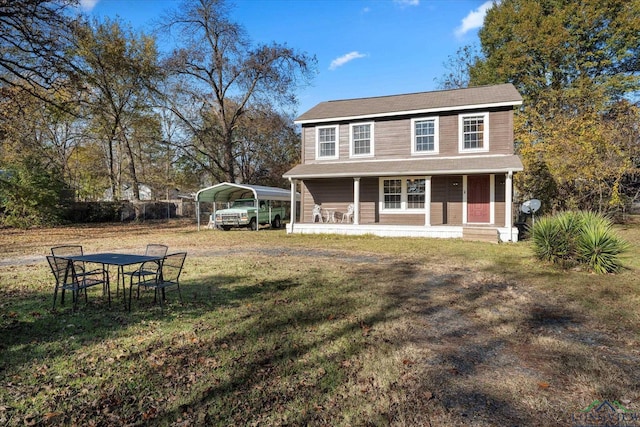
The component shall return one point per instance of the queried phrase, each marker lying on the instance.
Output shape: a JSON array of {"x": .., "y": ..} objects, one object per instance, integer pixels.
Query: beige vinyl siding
[
  {"x": 338, "y": 194},
  {"x": 449, "y": 135},
  {"x": 405, "y": 219},
  {"x": 392, "y": 138},
  {"x": 344, "y": 142},
  {"x": 501, "y": 132},
  {"x": 369, "y": 196},
  {"x": 309, "y": 143},
  {"x": 446, "y": 200},
  {"x": 328, "y": 193}
]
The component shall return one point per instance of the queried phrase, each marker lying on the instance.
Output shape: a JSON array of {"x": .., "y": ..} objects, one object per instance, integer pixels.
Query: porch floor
[{"x": 480, "y": 232}]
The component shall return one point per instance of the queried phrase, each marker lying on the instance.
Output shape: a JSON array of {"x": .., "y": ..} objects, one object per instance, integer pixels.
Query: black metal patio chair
[
  {"x": 168, "y": 275},
  {"x": 67, "y": 278}
]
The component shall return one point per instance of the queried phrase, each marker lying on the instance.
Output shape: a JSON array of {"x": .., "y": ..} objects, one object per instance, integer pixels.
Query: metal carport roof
[{"x": 227, "y": 192}]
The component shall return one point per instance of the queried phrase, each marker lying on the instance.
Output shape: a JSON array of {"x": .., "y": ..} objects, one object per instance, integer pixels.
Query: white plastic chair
[
  {"x": 348, "y": 215},
  {"x": 317, "y": 213}
]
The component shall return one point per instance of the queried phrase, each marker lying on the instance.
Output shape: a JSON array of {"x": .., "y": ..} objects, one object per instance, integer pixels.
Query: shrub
[
  {"x": 572, "y": 238},
  {"x": 33, "y": 194},
  {"x": 546, "y": 239},
  {"x": 598, "y": 247}
]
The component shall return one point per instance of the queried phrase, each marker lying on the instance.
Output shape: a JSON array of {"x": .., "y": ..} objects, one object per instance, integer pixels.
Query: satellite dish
[
  {"x": 535, "y": 205},
  {"x": 530, "y": 206}
]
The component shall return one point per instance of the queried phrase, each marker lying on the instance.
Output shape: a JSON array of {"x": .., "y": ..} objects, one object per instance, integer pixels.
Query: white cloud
[
  {"x": 339, "y": 62},
  {"x": 474, "y": 19},
  {"x": 404, "y": 3},
  {"x": 88, "y": 5}
]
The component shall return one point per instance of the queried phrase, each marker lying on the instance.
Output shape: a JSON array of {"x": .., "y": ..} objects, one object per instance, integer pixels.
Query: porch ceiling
[{"x": 424, "y": 166}]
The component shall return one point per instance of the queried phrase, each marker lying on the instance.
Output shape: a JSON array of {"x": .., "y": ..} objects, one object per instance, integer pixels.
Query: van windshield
[{"x": 242, "y": 203}]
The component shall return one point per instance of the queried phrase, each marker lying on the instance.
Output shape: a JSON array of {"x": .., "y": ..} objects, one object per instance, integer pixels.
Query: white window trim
[
  {"x": 371, "y": 140},
  {"x": 436, "y": 136},
  {"x": 403, "y": 195},
  {"x": 337, "y": 151},
  {"x": 485, "y": 133}
]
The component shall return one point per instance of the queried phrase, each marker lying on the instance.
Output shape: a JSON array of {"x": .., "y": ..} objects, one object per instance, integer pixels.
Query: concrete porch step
[{"x": 482, "y": 234}]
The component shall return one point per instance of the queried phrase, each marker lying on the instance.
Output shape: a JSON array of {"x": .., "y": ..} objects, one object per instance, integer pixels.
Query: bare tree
[
  {"x": 34, "y": 36},
  {"x": 222, "y": 76}
]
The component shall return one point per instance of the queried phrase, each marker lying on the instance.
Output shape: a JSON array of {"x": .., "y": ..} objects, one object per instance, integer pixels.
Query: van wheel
[
  {"x": 276, "y": 223},
  {"x": 253, "y": 225}
]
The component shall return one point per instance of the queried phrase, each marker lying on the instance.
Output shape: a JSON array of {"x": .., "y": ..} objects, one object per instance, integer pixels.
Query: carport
[{"x": 226, "y": 192}]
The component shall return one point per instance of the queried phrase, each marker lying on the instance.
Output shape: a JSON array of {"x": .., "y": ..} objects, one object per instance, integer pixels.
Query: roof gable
[{"x": 413, "y": 103}]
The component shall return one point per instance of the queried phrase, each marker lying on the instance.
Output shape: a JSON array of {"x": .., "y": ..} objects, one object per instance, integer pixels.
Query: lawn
[{"x": 275, "y": 329}]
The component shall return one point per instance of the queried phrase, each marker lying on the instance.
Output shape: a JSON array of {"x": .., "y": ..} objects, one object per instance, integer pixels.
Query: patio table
[
  {"x": 331, "y": 214},
  {"x": 119, "y": 260}
]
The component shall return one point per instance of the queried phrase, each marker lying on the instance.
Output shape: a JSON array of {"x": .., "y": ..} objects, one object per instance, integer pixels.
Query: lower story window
[
  {"x": 403, "y": 194},
  {"x": 415, "y": 193},
  {"x": 392, "y": 193}
]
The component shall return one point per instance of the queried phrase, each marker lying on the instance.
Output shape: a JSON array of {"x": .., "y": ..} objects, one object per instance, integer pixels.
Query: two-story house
[{"x": 432, "y": 164}]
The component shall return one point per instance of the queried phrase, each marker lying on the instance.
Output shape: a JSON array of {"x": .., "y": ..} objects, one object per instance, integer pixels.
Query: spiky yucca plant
[
  {"x": 598, "y": 246},
  {"x": 571, "y": 238},
  {"x": 547, "y": 239}
]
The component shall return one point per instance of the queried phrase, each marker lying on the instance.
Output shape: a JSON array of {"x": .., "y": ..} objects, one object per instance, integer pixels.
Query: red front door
[{"x": 478, "y": 199}]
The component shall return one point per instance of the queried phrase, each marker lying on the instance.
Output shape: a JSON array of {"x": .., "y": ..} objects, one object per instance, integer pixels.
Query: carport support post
[{"x": 198, "y": 214}]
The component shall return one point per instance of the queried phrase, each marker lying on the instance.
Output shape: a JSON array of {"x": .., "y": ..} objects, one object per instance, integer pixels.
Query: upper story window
[
  {"x": 327, "y": 142},
  {"x": 424, "y": 135},
  {"x": 474, "y": 132},
  {"x": 403, "y": 194},
  {"x": 361, "y": 139}
]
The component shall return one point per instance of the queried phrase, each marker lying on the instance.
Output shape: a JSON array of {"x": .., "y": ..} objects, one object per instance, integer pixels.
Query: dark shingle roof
[{"x": 504, "y": 94}]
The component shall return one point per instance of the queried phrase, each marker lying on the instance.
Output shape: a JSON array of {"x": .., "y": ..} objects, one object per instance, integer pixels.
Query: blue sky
[{"x": 364, "y": 47}]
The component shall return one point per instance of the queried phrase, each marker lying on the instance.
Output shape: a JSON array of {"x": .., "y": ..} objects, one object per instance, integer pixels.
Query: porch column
[
  {"x": 293, "y": 203},
  {"x": 508, "y": 204},
  {"x": 427, "y": 201},
  {"x": 356, "y": 201}
]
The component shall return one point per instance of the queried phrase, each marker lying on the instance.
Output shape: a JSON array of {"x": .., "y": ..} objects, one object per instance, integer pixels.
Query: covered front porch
[{"x": 468, "y": 200}]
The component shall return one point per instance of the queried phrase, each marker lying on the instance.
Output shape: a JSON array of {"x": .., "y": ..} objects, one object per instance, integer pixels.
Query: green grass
[{"x": 276, "y": 329}]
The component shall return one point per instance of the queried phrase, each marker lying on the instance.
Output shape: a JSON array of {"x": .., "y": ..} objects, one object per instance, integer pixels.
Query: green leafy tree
[
  {"x": 32, "y": 194},
  {"x": 119, "y": 68},
  {"x": 576, "y": 65}
]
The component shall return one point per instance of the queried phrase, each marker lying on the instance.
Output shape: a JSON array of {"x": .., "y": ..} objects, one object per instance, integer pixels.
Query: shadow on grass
[
  {"x": 288, "y": 350},
  {"x": 30, "y": 329}
]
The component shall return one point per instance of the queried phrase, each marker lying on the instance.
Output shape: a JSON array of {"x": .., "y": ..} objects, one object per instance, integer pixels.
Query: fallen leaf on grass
[
  {"x": 51, "y": 415},
  {"x": 365, "y": 329},
  {"x": 543, "y": 385}
]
